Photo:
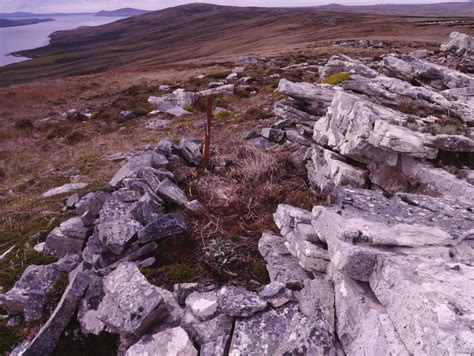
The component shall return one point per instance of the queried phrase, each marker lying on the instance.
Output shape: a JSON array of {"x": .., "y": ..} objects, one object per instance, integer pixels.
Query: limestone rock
[
  {"x": 219, "y": 90},
  {"x": 182, "y": 290},
  {"x": 341, "y": 63},
  {"x": 191, "y": 151},
  {"x": 66, "y": 188},
  {"x": 171, "y": 192},
  {"x": 130, "y": 304},
  {"x": 45, "y": 341},
  {"x": 284, "y": 331},
  {"x": 129, "y": 170},
  {"x": 173, "y": 102},
  {"x": 317, "y": 96},
  {"x": 164, "y": 227},
  {"x": 203, "y": 305},
  {"x": 234, "y": 301},
  {"x": 281, "y": 265},
  {"x": 458, "y": 43},
  {"x": 327, "y": 169},
  {"x": 67, "y": 238},
  {"x": 171, "y": 342},
  {"x": 274, "y": 135}
]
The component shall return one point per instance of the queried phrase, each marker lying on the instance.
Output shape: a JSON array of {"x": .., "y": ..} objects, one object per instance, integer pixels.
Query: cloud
[{"x": 96, "y": 5}]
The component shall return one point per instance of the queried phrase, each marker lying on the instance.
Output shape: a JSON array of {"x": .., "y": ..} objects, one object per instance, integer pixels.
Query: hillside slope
[
  {"x": 461, "y": 9},
  {"x": 199, "y": 31}
]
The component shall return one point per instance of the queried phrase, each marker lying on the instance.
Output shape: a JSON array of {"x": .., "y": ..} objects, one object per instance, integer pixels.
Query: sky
[{"x": 45, "y": 6}]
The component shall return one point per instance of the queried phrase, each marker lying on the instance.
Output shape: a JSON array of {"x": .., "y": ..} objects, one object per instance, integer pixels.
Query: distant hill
[
  {"x": 125, "y": 12},
  {"x": 21, "y": 22},
  {"x": 462, "y": 9},
  {"x": 199, "y": 31}
]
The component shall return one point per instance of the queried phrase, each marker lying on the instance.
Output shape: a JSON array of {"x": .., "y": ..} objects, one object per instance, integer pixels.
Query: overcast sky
[{"x": 95, "y": 5}]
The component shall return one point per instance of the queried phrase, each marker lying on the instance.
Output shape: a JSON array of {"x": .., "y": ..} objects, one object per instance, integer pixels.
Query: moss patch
[
  {"x": 337, "y": 78},
  {"x": 259, "y": 271}
]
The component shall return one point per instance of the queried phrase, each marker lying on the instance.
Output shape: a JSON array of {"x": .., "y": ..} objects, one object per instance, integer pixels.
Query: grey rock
[
  {"x": 284, "y": 331},
  {"x": 281, "y": 265},
  {"x": 248, "y": 60},
  {"x": 147, "y": 262},
  {"x": 182, "y": 290},
  {"x": 166, "y": 226},
  {"x": 294, "y": 136},
  {"x": 117, "y": 226},
  {"x": 67, "y": 238},
  {"x": 165, "y": 146},
  {"x": 130, "y": 305},
  {"x": 276, "y": 294},
  {"x": 45, "y": 341},
  {"x": 327, "y": 169},
  {"x": 420, "y": 53},
  {"x": 316, "y": 300},
  {"x": 284, "y": 123},
  {"x": 426, "y": 73},
  {"x": 171, "y": 342},
  {"x": 171, "y": 103},
  {"x": 212, "y": 335},
  {"x": 91, "y": 202},
  {"x": 155, "y": 124},
  {"x": 341, "y": 63},
  {"x": 129, "y": 170},
  {"x": 234, "y": 301},
  {"x": 458, "y": 43},
  {"x": 171, "y": 192},
  {"x": 292, "y": 109},
  {"x": 191, "y": 151},
  {"x": 220, "y": 90},
  {"x": 274, "y": 135},
  {"x": 66, "y": 188},
  {"x": 318, "y": 97},
  {"x": 195, "y": 206},
  {"x": 204, "y": 306}
]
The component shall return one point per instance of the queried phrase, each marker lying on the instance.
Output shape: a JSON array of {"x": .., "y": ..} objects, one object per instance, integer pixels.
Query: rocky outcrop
[
  {"x": 175, "y": 102},
  {"x": 394, "y": 263}
]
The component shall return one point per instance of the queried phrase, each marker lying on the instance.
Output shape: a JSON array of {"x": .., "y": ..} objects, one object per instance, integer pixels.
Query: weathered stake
[{"x": 207, "y": 141}]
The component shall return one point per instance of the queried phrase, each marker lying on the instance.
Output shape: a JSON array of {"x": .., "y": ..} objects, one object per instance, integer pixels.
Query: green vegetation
[
  {"x": 256, "y": 113},
  {"x": 337, "y": 78},
  {"x": 181, "y": 273},
  {"x": 269, "y": 88},
  {"x": 259, "y": 271},
  {"x": 223, "y": 114},
  {"x": 220, "y": 251}
]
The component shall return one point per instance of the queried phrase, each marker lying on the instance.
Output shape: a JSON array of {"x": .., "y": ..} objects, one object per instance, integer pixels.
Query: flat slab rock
[
  {"x": 284, "y": 331},
  {"x": 411, "y": 257},
  {"x": 130, "y": 304}
]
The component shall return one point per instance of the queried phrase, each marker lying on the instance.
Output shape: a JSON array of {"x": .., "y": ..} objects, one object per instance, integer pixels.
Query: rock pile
[{"x": 386, "y": 267}]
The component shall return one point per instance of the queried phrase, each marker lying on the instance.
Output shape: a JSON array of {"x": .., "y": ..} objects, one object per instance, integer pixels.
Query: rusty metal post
[{"x": 207, "y": 141}]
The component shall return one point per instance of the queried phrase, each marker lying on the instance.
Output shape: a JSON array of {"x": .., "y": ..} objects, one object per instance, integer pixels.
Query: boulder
[
  {"x": 171, "y": 192},
  {"x": 191, "y": 151},
  {"x": 67, "y": 238},
  {"x": 130, "y": 305},
  {"x": 182, "y": 290},
  {"x": 165, "y": 226},
  {"x": 458, "y": 43},
  {"x": 129, "y": 170},
  {"x": 117, "y": 226},
  {"x": 274, "y": 135},
  {"x": 171, "y": 342},
  {"x": 282, "y": 331},
  {"x": 341, "y": 63},
  {"x": 276, "y": 294},
  {"x": 204, "y": 306},
  {"x": 174, "y": 102},
  {"x": 234, "y": 301},
  {"x": 28, "y": 295},
  {"x": 292, "y": 109},
  {"x": 247, "y": 60},
  {"x": 318, "y": 97}
]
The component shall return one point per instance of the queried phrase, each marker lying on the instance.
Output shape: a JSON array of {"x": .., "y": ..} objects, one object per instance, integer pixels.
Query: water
[{"x": 19, "y": 38}]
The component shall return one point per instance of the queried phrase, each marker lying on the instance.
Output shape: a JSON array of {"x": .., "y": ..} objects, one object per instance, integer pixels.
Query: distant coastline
[{"x": 22, "y": 22}]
